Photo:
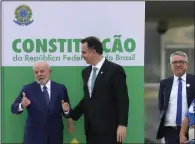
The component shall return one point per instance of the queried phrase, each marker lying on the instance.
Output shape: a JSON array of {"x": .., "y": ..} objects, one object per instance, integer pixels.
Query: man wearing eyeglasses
[{"x": 176, "y": 93}]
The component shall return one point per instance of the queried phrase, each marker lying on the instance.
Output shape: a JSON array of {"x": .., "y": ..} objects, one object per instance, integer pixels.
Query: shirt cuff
[
  {"x": 20, "y": 107},
  {"x": 66, "y": 113}
]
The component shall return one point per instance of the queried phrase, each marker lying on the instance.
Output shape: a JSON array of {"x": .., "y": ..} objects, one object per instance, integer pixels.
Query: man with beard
[
  {"x": 45, "y": 101},
  {"x": 176, "y": 93}
]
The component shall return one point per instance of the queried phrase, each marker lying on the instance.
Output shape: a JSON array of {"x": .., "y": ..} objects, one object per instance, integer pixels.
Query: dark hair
[{"x": 93, "y": 43}]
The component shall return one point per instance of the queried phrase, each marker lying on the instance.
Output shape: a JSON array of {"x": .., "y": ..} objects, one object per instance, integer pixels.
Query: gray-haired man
[{"x": 175, "y": 96}]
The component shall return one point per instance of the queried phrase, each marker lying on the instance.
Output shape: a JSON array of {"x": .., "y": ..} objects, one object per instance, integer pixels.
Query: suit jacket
[
  {"x": 109, "y": 104},
  {"x": 43, "y": 123},
  {"x": 164, "y": 95}
]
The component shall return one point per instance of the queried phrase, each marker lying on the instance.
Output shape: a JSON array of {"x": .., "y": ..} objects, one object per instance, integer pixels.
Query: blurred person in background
[
  {"x": 188, "y": 122},
  {"x": 176, "y": 93}
]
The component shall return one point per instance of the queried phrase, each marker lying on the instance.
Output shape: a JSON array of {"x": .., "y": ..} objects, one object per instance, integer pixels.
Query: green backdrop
[{"x": 13, "y": 78}]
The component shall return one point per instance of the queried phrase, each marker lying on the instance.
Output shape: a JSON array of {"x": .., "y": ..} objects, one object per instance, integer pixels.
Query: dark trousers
[
  {"x": 172, "y": 135},
  {"x": 52, "y": 142},
  {"x": 101, "y": 138}
]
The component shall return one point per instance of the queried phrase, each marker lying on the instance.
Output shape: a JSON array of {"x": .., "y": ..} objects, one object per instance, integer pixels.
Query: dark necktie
[
  {"x": 179, "y": 103},
  {"x": 46, "y": 95}
]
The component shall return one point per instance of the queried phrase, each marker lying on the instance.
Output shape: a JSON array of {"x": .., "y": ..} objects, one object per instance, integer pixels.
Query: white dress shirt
[
  {"x": 48, "y": 85},
  {"x": 98, "y": 66},
  {"x": 170, "y": 118}
]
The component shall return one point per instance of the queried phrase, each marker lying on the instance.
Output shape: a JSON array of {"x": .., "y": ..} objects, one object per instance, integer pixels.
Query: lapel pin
[
  {"x": 188, "y": 85},
  {"x": 101, "y": 72}
]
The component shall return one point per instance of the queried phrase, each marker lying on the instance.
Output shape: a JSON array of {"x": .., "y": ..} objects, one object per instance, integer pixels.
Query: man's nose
[
  {"x": 178, "y": 64},
  {"x": 38, "y": 74}
]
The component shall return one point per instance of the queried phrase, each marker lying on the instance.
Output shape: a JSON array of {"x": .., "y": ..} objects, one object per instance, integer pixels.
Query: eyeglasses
[{"x": 181, "y": 62}]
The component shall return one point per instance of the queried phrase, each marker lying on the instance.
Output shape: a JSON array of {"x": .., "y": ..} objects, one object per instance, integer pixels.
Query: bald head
[{"x": 42, "y": 72}]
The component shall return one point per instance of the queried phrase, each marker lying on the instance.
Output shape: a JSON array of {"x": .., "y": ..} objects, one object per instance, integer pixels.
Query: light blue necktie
[
  {"x": 179, "y": 103},
  {"x": 93, "y": 78}
]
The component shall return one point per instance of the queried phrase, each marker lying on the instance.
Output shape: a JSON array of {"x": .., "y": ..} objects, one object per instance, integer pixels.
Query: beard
[{"x": 42, "y": 81}]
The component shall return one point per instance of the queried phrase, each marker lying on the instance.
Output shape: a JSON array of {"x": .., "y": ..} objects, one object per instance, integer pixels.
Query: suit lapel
[
  {"x": 53, "y": 95},
  {"x": 86, "y": 78},
  {"x": 101, "y": 73},
  {"x": 188, "y": 88},
  {"x": 167, "y": 90},
  {"x": 39, "y": 96},
  {"x": 87, "y": 75}
]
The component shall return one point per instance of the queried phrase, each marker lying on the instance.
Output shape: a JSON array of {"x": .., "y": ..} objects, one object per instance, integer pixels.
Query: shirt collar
[
  {"x": 48, "y": 85},
  {"x": 183, "y": 77},
  {"x": 99, "y": 64}
]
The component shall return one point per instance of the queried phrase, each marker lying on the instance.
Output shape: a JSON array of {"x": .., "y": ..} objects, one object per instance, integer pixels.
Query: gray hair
[
  {"x": 179, "y": 53},
  {"x": 41, "y": 62}
]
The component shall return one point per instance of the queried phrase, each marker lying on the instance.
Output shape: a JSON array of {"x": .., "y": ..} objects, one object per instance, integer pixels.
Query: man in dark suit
[
  {"x": 175, "y": 96},
  {"x": 45, "y": 101},
  {"x": 105, "y": 103}
]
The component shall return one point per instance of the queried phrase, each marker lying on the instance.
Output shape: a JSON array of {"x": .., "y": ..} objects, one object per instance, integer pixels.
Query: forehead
[
  {"x": 84, "y": 46},
  {"x": 40, "y": 67},
  {"x": 177, "y": 57}
]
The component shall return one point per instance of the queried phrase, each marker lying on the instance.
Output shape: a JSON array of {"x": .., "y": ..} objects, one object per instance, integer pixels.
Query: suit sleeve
[
  {"x": 79, "y": 109},
  {"x": 16, "y": 103},
  {"x": 66, "y": 99},
  {"x": 161, "y": 96},
  {"x": 120, "y": 87}
]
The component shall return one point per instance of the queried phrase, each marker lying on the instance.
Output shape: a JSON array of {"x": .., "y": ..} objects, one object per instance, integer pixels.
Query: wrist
[
  {"x": 121, "y": 125},
  {"x": 181, "y": 134}
]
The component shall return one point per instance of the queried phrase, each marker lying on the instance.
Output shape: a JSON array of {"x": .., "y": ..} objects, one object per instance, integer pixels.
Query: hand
[
  {"x": 121, "y": 133},
  {"x": 25, "y": 101},
  {"x": 183, "y": 139},
  {"x": 65, "y": 106},
  {"x": 70, "y": 125}
]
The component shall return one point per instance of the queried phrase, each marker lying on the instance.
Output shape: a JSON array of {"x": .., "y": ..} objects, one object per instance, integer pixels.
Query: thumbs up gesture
[
  {"x": 25, "y": 101},
  {"x": 65, "y": 106}
]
